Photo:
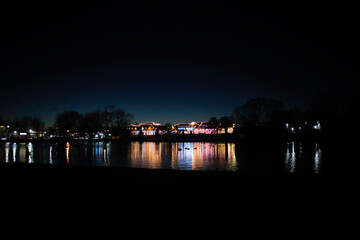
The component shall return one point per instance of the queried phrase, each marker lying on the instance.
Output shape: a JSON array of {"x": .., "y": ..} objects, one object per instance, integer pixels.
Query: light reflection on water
[
  {"x": 14, "y": 151},
  {"x": 155, "y": 155},
  {"x": 317, "y": 159},
  {"x": 183, "y": 156},
  {"x": 7, "y": 151},
  {"x": 30, "y": 153},
  {"x": 290, "y": 159},
  {"x": 295, "y": 155},
  {"x": 67, "y": 152},
  {"x": 50, "y": 155}
]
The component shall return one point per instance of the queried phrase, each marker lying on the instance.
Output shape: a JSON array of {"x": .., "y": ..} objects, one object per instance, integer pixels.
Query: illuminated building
[
  {"x": 152, "y": 128},
  {"x": 185, "y": 128},
  {"x": 147, "y": 128},
  {"x": 206, "y": 128}
]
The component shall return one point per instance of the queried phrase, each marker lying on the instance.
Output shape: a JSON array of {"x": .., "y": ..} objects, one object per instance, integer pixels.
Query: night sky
[{"x": 171, "y": 62}]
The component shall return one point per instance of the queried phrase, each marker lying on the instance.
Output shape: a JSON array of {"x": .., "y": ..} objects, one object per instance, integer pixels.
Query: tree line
[
  {"x": 108, "y": 119},
  {"x": 23, "y": 124},
  {"x": 256, "y": 115},
  {"x": 334, "y": 114}
]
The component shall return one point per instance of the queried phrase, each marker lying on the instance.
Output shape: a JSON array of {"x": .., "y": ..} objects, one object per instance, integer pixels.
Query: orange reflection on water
[
  {"x": 204, "y": 156},
  {"x": 184, "y": 156},
  {"x": 67, "y": 152},
  {"x": 145, "y": 154}
]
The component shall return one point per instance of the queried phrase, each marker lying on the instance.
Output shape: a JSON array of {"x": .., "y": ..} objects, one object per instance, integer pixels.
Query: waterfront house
[
  {"x": 206, "y": 127},
  {"x": 185, "y": 128},
  {"x": 147, "y": 128}
]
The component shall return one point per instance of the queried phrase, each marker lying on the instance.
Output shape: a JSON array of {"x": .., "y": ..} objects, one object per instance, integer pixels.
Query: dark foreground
[{"x": 49, "y": 191}]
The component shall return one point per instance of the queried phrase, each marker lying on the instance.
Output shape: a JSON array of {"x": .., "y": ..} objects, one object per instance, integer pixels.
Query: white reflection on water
[
  {"x": 290, "y": 158},
  {"x": 48, "y": 153},
  {"x": 50, "y": 156},
  {"x": 14, "y": 148},
  {"x": 22, "y": 152},
  {"x": 296, "y": 154},
  {"x": 107, "y": 151},
  {"x": 30, "y": 152},
  {"x": 317, "y": 159},
  {"x": 7, "y": 151},
  {"x": 293, "y": 158},
  {"x": 100, "y": 153}
]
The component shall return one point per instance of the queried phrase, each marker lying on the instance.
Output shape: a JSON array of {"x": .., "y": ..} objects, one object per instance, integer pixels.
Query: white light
[
  {"x": 30, "y": 130},
  {"x": 15, "y": 132},
  {"x": 287, "y": 125}
]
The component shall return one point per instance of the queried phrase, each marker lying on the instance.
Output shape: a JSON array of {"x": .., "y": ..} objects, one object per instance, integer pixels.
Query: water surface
[{"x": 288, "y": 157}]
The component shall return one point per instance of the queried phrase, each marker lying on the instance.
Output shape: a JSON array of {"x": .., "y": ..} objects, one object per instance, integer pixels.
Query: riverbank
[
  {"x": 178, "y": 138},
  {"x": 154, "y": 138}
]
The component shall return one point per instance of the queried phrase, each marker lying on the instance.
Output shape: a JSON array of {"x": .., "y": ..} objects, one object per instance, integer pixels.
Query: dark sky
[{"x": 171, "y": 62}]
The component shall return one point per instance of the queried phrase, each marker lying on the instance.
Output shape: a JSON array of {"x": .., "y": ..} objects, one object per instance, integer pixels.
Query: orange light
[
  {"x": 67, "y": 152},
  {"x": 67, "y": 130}
]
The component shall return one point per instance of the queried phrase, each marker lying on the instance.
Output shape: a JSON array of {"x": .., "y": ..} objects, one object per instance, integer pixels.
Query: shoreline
[
  {"x": 179, "y": 138},
  {"x": 171, "y": 138}
]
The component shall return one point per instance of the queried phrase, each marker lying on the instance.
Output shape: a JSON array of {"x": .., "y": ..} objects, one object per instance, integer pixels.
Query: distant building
[
  {"x": 222, "y": 130},
  {"x": 206, "y": 128},
  {"x": 147, "y": 128},
  {"x": 185, "y": 128},
  {"x": 152, "y": 128},
  {"x": 202, "y": 128},
  {"x": 30, "y": 134}
]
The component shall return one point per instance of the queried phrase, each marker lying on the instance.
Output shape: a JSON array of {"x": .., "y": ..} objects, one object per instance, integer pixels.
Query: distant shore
[
  {"x": 158, "y": 138},
  {"x": 177, "y": 138}
]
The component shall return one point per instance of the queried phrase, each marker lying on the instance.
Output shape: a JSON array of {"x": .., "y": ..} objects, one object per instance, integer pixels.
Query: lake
[{"x": 289, "y": 157}]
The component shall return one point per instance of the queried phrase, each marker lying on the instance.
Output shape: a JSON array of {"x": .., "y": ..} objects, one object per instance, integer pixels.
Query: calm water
[{"x": 290, "y": 157}]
